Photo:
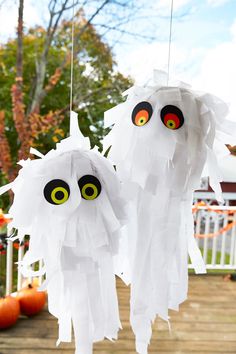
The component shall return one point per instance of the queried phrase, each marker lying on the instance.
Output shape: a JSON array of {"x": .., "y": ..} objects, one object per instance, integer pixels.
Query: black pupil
[
  {"x": 171, "y": 123},
  {"x": 59, "y": 195},
  {"x": 89, "y": 191}
]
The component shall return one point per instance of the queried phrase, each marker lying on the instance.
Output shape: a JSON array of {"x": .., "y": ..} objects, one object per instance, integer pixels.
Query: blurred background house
[{"x": 227, "y": 166}]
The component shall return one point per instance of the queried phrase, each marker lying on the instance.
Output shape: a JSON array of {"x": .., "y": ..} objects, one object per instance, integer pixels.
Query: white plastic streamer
[
  {"x": 74, "y": 228},
  {"x": 160, "y": 153}
]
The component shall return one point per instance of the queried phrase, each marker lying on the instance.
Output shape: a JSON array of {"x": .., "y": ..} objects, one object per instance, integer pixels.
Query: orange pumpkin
[
  {"x": 9, "y": 311},
  {"x": 31, "y": 301}
]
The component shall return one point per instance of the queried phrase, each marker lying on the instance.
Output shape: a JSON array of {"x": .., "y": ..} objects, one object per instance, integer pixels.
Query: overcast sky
[{"x": 203, "y": 51}]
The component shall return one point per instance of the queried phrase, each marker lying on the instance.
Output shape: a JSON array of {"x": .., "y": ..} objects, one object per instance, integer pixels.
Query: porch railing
[
  {"x": 215, "y": 232},
  {"x": 10, "y": 269}
]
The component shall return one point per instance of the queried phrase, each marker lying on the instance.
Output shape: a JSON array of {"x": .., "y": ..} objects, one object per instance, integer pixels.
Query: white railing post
[
  {"x": 232, "y": 259},
  {"x": 198, "y": 223},
  {"x": 222, "y": 255},
  {"x": 205, "y": 240},
  {"x": 41, "y": 276},
  {"x": 214, "y": 242},
  {"x": 20, "y": 257},
  {"x": 9, "y": 266}
]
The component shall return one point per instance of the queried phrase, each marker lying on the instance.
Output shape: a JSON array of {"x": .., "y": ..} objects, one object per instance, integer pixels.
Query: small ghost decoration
[
  {"x": 69, "y": 202},
  {"x": 162, "y": 143}
]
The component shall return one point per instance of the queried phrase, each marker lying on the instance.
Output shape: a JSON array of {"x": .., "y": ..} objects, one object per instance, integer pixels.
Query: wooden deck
[{"x": 205, "y": 324}]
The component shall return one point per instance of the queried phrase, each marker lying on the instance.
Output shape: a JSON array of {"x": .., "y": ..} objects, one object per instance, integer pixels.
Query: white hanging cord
[
  {"x": 170, "y": 40},
  {"x": 72, "y": 57}
]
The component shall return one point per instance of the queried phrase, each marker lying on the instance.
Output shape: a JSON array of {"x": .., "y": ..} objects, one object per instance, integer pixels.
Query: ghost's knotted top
[{"x": 159, "y": 125}]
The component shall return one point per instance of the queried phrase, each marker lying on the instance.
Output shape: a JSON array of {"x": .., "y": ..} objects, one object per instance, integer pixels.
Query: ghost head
[
  {"x": 69, "y": 202},
  {"x": 159, "y": 124}
]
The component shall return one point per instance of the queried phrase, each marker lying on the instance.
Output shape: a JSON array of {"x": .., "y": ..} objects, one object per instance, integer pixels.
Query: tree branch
[
  {"x": 137, "y": 35},
  {"x": 39, "y": 93},
  {"x": 42, "y": 62},
  {"x": 54, "y": 79},
  {"x": 19, "y": 60},
  {"x": 88, "y": 22},
  {"x": 19, "y": 118}
]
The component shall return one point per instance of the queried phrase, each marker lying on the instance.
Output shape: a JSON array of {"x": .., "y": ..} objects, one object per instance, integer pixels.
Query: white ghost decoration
[
  {"x": 69, "y": 202},
  {"x": 161, "y": 140}
]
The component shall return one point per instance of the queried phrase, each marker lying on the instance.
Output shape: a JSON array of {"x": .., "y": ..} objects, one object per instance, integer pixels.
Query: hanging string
[
  {"x": 72, "y": 56},
  {"x": 170, "y": 40}
]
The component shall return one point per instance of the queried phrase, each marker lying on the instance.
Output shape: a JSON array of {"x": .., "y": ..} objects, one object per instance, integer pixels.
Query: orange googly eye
[
  {"x": 172, "y": 117},
  {"x": 142, "y": 113}
]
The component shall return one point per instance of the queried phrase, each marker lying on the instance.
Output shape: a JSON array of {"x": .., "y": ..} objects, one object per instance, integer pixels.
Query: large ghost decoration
[
  {"x": 69, "y": 202},
  {"x": 162, "y": 143}
]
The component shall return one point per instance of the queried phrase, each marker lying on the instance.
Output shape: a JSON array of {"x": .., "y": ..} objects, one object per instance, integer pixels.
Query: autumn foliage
[
  {"x": 28, "y": 127},
  {"x": 5, "y": 154}
]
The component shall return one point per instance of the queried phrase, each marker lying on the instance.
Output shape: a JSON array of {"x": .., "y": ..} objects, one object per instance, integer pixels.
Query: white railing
[
  {"x": 215, "y": 232},
  {"x": 10, "y": 267}
]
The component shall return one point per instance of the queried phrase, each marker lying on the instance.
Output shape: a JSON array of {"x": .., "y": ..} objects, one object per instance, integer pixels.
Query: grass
[{"x": 218, "y": 256}]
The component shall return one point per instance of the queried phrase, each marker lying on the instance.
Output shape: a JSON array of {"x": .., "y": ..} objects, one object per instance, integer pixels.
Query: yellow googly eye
[
  {"x": 171, "y": 124},
  {"x": 59, "y": 195},
  {"x": 89, "y": 191},
  {"x": 56, "y": 192},
  {"x": 90, "y": 187},
  {"x": 141, "y": 120}
]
